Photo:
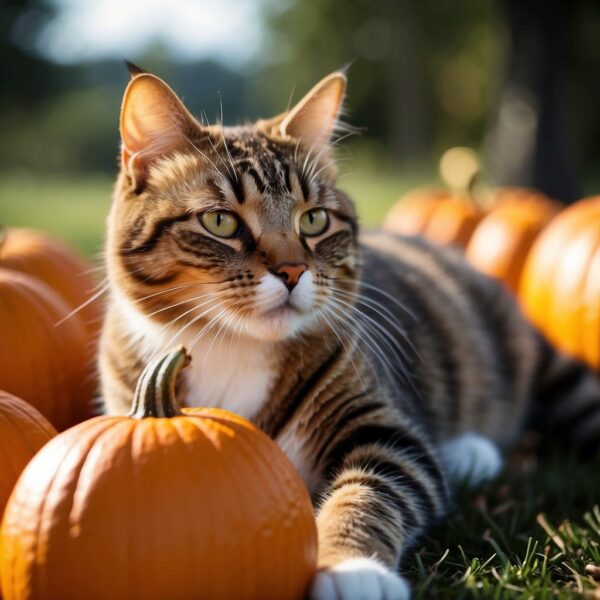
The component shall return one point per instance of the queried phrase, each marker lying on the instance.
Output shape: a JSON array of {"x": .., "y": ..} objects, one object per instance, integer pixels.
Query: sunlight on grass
[{"x": 73, "y": 209}]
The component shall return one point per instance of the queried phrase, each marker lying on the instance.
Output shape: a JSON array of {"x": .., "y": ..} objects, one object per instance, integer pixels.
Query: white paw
[
  {"x": 359, "y": 579},
  {"x": 472, "y": 458}
]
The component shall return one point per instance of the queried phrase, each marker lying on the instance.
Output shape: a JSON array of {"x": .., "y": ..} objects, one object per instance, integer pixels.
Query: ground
[{"x": 533, "y": 533}]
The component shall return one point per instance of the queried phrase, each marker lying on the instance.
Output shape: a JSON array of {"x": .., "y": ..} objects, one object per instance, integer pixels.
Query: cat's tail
[{"x": 567, "y": 398}]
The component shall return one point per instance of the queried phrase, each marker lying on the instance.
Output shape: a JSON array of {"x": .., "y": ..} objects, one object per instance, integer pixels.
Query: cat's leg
[
  {"x": 386, "y": 488},
  {"x": 472, "y": 458}
]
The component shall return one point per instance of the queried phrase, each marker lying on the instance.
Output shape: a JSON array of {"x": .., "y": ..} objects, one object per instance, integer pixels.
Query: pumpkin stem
[{"x": 155, "y": 391}]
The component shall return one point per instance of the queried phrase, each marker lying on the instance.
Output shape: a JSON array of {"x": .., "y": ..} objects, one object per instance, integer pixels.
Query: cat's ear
[
  {"x": 314, "y": 118},
  {"x": 154, "y": 122}
]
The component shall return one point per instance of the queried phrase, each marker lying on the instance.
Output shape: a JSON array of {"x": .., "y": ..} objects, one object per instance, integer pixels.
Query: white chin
[{"x": 275, "y": 325}]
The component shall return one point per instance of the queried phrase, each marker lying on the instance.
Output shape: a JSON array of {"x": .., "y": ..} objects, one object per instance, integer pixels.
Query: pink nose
[{"x": 290, "y": 273}]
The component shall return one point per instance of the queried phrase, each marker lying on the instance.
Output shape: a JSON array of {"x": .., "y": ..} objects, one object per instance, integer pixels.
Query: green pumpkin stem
[{"x": 155, "y": 391}]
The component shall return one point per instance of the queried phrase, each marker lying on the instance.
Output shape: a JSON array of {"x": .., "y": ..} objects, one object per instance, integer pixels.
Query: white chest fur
[{"x": 233, "y": 374}]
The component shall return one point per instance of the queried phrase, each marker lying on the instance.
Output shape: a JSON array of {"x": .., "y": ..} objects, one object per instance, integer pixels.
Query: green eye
[
  {"x": 314, "y": 222},
  {"x": 221, "y": 223}
]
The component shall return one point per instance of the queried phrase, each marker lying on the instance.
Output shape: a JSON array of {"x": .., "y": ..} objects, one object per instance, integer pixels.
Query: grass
[
  {"x": 74, "y": 209},
  {"x": 532, "y": 534}
]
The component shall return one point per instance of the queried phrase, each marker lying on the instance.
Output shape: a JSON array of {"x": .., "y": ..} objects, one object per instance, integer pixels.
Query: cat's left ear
[{"x": 314, "y": 118}]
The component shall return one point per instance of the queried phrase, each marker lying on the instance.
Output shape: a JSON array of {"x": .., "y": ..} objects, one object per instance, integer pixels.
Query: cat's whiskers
[
  {"x": 381, "y": 310},
  {"x": 348, "y": 351},
  {"x": 186, "y": 326},
  {"x": 365, "y": 335},
  {"x": 376, "y": 333},
  {"x": 206, "y": 157},
  {"x": 83, "y": 305},
  {"x": 185, "y": 301},
  {"x": 370, "y": 343},
  {"x": 206, "y": 329},
  {"x": 224, "y": 324},
  {"x": 101, "y": 288},
  {"x": 178, "y": 287},
  {"x": 327, "y": 165},
  {"x": 187, "y": 312},
  {"x": 218, "y": 154},
  {"x": 315, "y": 161},
  {"x": 374, "y": 288},
  {"x": 240, "y": 321},
  {"x": 392, "y": 341}
]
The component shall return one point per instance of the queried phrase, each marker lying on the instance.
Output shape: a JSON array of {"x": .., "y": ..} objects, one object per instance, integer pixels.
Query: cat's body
[{"x": 381, "y": 367}]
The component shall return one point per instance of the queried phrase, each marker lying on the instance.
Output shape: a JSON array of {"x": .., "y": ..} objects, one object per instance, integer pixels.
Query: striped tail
[{"x": 567, "y": 399}]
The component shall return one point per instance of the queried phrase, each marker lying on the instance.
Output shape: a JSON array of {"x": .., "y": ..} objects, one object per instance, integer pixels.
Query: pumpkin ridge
[
  {"x": 44, "y": 517},
  {"x": 217, "y": 455},
  {"x": 184, "y": 447},
  {"x": 6, "y": 452},
  {"x": 41, "y": 426}
]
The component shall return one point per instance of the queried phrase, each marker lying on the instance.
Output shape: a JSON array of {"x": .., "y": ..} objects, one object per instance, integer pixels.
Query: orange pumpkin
[
  {"x": 500, "y": 243},
  {"x": 159, "y": 504},
  {"x": 43, "y": 359},
  {"x": 520, "y": 197},
  {"x": 53, "y": 262},
  {"x": 23, "y": 431},
  {"x": 438, "y": 215},
  {"x": 560, "y": 285}
]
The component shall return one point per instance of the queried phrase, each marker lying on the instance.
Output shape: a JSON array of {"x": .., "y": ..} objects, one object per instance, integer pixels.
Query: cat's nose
[{"x": 290, "y": 273}]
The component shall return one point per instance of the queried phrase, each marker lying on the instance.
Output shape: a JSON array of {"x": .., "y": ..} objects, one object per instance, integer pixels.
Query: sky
[{"x": 229, "y": 30}]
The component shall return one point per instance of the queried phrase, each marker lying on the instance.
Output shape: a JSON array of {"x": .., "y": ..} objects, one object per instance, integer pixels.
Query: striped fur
[{"x": 390, "y": 349}]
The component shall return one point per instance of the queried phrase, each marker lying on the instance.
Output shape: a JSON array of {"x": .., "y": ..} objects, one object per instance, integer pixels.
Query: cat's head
[{"x": 235, "y": 228}]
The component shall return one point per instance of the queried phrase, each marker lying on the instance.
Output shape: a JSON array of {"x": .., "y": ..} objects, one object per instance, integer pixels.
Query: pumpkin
[
  {"x": 44, "y": 357},
  {"x": 438, "y": 215},
  {"x": 158, "y": 505},
  {"x": 560, "y": 285},
  {"x": 501, "y": 241},
  {"x": 53, "y": 262},
  {"x": 23, "y": 431}
]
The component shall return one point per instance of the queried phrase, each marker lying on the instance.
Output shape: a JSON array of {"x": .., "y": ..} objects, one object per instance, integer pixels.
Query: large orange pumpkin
[
  {"x": 48, "y": 259},
  {"x": 159, "y": 505},
  {"x": 44, "y": 359},
  {"x": 500, "y": 243},
  {"x": 23, "y": 431},
  {"x": 560, "y": 285},
  {"x": 438, "y": 215}
]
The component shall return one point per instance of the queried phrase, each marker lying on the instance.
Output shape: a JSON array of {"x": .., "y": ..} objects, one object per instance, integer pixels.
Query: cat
[{"x": 384, "y": 367}]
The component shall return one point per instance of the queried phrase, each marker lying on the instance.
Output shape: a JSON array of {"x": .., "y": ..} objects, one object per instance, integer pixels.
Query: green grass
[
  {"x": 531, "y": 534},
  {"x": 74, "y": 209}
]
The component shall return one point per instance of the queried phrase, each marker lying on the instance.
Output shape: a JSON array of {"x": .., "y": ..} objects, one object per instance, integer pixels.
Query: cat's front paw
[{"x": 359, "y": 579}]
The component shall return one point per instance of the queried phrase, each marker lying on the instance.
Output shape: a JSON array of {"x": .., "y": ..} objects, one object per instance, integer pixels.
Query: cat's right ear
[{"x": 154, "y": 122}]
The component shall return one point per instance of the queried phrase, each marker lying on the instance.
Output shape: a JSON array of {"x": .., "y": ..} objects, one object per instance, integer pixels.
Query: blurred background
[{"x": 517, "y": 81}]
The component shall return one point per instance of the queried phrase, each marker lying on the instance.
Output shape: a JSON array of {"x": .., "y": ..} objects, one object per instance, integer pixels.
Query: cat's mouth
[{"x": 279, "y": 313}]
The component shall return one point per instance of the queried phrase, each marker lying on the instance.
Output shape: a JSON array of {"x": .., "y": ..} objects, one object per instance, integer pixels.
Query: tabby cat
[{"x": 384, "y": 367}]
